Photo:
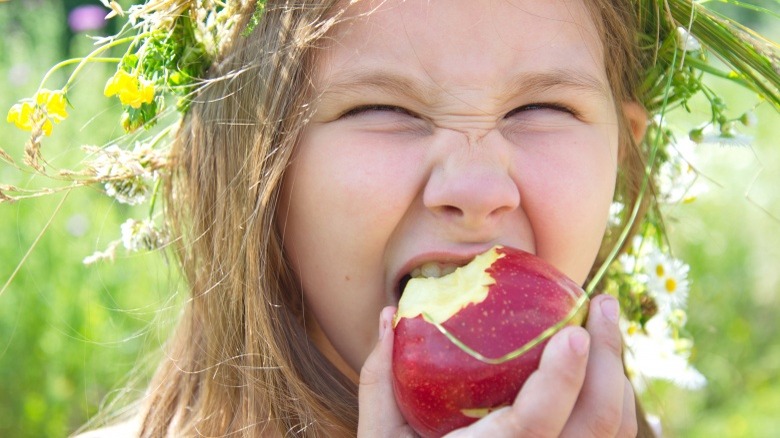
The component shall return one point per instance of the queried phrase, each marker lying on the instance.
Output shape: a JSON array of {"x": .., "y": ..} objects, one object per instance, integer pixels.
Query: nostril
[
  {"x": 477, "y": 192},
  {"x": 451, "y": 210}
]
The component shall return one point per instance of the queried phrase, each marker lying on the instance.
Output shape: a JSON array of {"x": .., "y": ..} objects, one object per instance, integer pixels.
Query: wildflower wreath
[{"x": 167, "y": 46}]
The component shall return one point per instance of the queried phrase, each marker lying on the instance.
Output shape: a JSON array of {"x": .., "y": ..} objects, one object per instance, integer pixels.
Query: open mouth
[{"x": 427, "y": 270}]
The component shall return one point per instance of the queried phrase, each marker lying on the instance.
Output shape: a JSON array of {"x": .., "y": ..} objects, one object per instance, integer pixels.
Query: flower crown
[{"x": 169, "y": 45}]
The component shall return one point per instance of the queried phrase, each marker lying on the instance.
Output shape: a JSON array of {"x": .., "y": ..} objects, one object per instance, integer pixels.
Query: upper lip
[{"x": 459, "y": 258}]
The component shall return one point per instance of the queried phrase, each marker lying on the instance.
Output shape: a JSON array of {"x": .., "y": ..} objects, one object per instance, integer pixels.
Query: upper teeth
[{"x": 433, "y": 270}]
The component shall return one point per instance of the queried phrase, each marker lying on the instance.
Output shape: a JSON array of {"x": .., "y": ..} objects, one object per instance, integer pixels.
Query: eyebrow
[
  {"x": 560, "y": 78},
  {"x": 392, "y": 83},
  {"x": 356, "y": 82}
]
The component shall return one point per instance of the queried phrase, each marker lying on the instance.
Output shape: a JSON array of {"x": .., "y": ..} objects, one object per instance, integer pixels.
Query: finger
[
  {"x": 379, "y": 414},
  {"x": 629, "y": 426},
  {"x": 599, "y": 411},
  {"x": 547, "y": 397}
]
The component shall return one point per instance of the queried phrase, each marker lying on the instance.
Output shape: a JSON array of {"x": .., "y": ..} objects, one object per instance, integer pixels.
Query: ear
[{"x": 637, "y": 119}]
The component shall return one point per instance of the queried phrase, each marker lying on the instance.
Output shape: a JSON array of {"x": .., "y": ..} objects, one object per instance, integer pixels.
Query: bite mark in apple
[{"x": 495, "y": 305}]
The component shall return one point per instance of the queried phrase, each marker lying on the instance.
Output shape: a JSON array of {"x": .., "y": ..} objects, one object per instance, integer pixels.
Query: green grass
[{"x": 69, "y": 334}]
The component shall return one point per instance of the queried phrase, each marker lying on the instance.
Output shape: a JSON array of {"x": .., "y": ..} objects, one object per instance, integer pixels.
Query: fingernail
[
  {"x": 610, "y": 309},
  {"x": 579, "y": 342}
]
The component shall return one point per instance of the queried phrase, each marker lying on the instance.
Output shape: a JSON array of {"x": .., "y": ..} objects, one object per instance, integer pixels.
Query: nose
[{"x": 471, "y": 184}]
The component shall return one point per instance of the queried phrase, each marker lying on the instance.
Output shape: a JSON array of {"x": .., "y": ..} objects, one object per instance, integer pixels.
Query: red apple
[{"x": 494, "y": 305}]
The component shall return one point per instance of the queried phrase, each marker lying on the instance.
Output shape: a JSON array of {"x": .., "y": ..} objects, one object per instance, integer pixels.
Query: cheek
[
  {"x": 567, "y": 190},
  {"x": 361, "y": 181},
  {"x": 343, "y": 198}
]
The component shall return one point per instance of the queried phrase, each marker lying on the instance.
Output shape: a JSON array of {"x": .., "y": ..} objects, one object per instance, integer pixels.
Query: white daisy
[
  {"x": 633, "y": 261},
  {"x": 677, "y": 180},
  {"x": 667, "y": 281},
  {"x": 653, "y": 354}
]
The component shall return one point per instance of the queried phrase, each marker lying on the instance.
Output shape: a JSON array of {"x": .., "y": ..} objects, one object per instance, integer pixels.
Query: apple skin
[{"x": 438, "y": 386}]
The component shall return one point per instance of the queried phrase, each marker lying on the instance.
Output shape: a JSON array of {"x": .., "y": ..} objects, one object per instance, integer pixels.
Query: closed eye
[
  {"x": 546, "y": 106},
  {"x": 375, "y": 107}
]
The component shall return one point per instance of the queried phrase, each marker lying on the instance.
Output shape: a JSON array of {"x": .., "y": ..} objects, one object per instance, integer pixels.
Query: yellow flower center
[
  {"x": 659, "y": 270},
  {"x": 671, "y": 285}
]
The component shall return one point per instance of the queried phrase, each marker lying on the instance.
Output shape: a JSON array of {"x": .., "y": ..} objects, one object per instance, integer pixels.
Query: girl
[
  {"x": 339, "y": 145},
  {"x": 350, "y": 143}
]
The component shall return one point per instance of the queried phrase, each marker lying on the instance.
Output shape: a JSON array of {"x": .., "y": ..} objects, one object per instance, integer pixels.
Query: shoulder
[{"x": 127, "y": 429}]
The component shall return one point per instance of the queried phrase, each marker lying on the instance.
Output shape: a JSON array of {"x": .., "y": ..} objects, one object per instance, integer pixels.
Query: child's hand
[
  {"x": 579, "y": 390},
  {"x": 379, "y": 414}
]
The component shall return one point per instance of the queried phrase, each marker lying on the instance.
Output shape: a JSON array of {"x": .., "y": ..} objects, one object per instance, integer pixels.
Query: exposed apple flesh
[{"x": 494, "y": 305}]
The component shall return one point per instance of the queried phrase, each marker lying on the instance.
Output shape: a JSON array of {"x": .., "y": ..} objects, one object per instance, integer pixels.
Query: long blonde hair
[{"x": 240, "y": 361}]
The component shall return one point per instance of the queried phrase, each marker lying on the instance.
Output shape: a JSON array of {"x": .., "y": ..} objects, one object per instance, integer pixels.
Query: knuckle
[
  {"x": 606, "y": 422},
  {"x": 613, "y": 342},
  {"x": 367, "y": 380},
  {"x": 571, "y": 376},
  {"x": 368, "y": 376},
  {"x": 529, "y": 430}
]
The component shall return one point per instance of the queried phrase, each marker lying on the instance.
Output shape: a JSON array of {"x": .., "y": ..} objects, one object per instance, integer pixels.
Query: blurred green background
[{"x": 70, "y": 335}]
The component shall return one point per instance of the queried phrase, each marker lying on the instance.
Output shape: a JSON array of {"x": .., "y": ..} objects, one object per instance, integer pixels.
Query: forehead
[{"x": 465, "y": 43}]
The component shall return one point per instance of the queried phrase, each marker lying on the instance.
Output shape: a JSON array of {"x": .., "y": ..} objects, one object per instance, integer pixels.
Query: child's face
[{"x": 443, "y": 128}]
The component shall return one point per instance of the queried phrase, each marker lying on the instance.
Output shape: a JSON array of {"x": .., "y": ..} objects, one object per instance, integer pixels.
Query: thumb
[{"x": 379, "y": 414}]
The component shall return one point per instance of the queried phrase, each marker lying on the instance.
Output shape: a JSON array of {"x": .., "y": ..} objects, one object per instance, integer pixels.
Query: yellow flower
[
  {"x": 53, "y": 102},
  {"x": 131, "y": 89},
  {"x": 21, "y": 115},
  {"x": 46, "y": 107},
  {"x": 46, "y": 126}
]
